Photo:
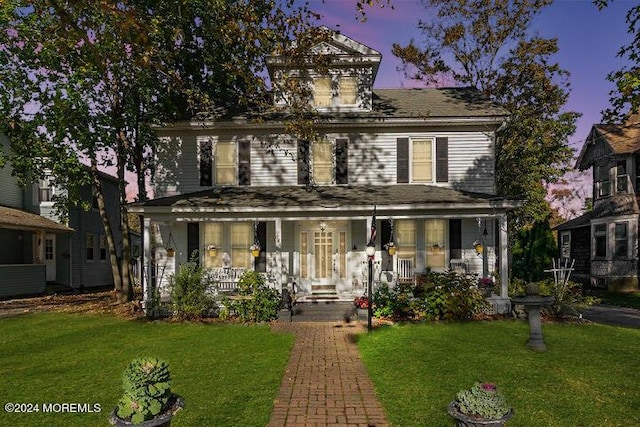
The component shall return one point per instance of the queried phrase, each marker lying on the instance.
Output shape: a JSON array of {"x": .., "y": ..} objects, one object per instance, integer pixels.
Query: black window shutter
[
  {"x": 403, "y": 160},
  {"x": 244, "y": 163},
  {"x": 206, "y": 166},
  {"x": 342, "y": 161},
  {"x": 442, "y": 159},
  {"x": 261, "y": 261},
  {"x": 385, "y": 236},
  {"x": 455, "y": 238},
  {"x": 193, "y": 241},
  {"x": 303, "y": 162}
]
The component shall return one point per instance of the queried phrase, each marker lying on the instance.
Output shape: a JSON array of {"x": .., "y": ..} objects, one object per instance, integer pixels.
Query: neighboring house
[
  {"x": 604, "y": 242},
  {"x": 38, "y": 248},
  {"x": 424, "y": 158}
]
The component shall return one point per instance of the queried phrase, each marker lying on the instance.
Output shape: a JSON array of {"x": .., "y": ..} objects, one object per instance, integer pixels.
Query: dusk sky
[{"x": 588, "y": 38}]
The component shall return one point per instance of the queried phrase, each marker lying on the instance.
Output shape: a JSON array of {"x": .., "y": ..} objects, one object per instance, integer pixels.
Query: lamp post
[{"x": 371, "y": 252}]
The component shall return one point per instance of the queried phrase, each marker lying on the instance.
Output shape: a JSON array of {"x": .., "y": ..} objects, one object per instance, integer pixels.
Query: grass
[
  {"x": 588, "y": 376},
  {"x": 630, "y": 299},
  {"x": 228, "y": 374}
]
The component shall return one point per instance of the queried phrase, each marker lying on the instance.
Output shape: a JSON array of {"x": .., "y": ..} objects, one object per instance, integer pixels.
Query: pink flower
[{"x": 488, "y": 387}]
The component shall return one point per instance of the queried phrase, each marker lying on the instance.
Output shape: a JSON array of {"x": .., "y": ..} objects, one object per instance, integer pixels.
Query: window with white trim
[
  {"x": 600, "y": 240},
  {"x": 565, "y": 244},
  {"x": 348, "y": 90},
  {"x": 603, "y": 183},
  {"x": 622, "y": 177},
  {"x": 621, "y": 240},
  {"x": 322, "y": 92},
  {"x": 43, "y": 191},
  {"x": 323, "y": 162},
  {"x": 421, "y": 160},
  {"x": 103, "y": 248},
  {"x": 405, "y": 236},
  {"x": 225, "y": 163},
  {"x": 213, "y": 238},
  {"x": 241, "y": 240}
]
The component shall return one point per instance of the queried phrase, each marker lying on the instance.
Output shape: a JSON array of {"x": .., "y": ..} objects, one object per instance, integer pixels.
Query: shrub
[
  {"x": 261, "y": 303},
  {"x": 147, "y": 390},
  {"x": 484, "y": 401},
  {"x": 436, "y": 296},
  {"x": 189, "y": 293}
]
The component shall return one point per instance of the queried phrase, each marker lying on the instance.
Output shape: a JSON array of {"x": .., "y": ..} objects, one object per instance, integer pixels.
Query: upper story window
[
  {"x": 422, "y": 160},
  {"x": 622, "y": 177},
  {"x": 348, "y": 90},
  {"x": 603, "y": 183},
  {"x": 225, "y": 162},
  {"x": 329, "y": 91},
  {"x": 322, "y": 93},
  {"x": 43, "y": 191},
  {"x": 90, "y": 244},
  {"x": 327, "y": 162}
]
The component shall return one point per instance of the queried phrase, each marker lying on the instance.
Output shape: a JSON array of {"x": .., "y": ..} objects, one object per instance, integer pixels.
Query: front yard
[{"x": 229, "y": 374}]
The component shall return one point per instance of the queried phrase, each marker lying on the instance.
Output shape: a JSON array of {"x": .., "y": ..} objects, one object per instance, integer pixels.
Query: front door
[
  {"x": 323, "y": 256},
  {"x": 50, "y": 256}
]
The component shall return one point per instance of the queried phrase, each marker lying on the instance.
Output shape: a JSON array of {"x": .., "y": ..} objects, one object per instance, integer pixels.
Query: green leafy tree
[
  {"x": 85, "y": 82},
  {"x": 483, "y": 43},
  {"x": 625, "y": 98}
]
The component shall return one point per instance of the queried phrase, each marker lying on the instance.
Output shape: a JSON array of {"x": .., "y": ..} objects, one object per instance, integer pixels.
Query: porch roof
[
  {"x": 323, "y": 199},
  {"x": 21, "y": 220}
]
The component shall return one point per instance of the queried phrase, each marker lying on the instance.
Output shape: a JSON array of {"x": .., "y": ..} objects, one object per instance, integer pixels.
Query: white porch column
[
  {"x": 504, "y": 256},
  {"x": 278, "y": 251},
  {"x": 147, "y": 291}
]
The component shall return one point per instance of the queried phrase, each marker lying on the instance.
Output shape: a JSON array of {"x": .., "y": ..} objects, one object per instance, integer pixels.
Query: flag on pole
[{"x": 372, "y": 239}]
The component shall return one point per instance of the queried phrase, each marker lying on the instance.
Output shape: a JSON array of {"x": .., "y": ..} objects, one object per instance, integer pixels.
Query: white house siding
[
  {"x": 372, "y": 159},
  {"x": 10, "y": 192}
]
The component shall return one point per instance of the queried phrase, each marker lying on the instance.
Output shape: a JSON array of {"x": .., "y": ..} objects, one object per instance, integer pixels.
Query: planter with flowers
[
  {"x": 390, "y": 248},
  {"x": 362, "y": 306},
  {"x": 481, "y": 405},
  {"x": 255, "y": 250}
]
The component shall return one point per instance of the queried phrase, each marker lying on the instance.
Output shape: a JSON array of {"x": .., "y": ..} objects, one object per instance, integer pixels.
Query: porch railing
[{"x": 405, "y": 270}]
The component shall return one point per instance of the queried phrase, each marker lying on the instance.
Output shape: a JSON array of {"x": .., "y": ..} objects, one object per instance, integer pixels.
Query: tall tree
[
  {"x": 483, "y": 43},
  {"x": 85, "y": 81},
  {"x": 625, "y": 98}
]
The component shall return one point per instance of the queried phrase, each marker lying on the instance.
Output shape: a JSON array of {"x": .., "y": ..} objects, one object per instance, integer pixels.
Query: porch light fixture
[
  {"x": 370, "y": 250},
  {"x": 323, "y": 226}
]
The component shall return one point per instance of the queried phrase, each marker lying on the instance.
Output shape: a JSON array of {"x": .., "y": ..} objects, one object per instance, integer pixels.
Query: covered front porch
[{"x": 317, "y": 247}]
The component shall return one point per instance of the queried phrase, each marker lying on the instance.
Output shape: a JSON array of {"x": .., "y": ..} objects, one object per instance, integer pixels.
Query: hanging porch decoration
[
  {"x": 255, "y": 248},
  {"x": 212, "y": 251},
  {"x": 171, "y": 246},
  {"x": 478, "y": 244},
  {"x": 390, "y": 247}
]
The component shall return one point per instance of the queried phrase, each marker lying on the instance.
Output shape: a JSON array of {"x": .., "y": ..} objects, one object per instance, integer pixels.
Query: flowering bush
[
  {"x": 483, "y": 401},
  {"x": 485, "y": 282},
  {"x": 361, "y": 302}
]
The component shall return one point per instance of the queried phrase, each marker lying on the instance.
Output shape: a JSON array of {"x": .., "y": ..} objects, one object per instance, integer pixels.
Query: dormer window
[
  {"x": 322, "y": 93},
  {"x": 331, "y": 91},
  {"x": 348, "y": 90}
]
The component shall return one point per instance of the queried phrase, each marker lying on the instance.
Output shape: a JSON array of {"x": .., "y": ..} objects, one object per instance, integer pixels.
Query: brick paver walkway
[{"x": 325, "y": 383}]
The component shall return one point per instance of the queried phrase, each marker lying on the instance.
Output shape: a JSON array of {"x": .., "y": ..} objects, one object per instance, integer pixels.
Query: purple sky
[{"x": 589, "y": 40}]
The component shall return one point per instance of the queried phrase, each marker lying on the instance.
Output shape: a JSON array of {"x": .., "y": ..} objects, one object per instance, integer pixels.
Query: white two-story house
[
  {"x": 603, "y": 243},
  {"x": 423, "y": 158}
]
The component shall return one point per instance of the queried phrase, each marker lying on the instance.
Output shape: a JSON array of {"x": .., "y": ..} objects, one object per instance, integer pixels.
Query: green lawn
[
  {"x": 588, "y": 377},
  {"x": 631, "y": 299},
  {"x": 228, "y": 375}
]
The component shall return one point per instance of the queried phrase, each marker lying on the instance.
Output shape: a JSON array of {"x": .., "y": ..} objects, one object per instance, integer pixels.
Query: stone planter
[
  {"x": 162, "y": 420},
  {"x": 465, "y": 420}
]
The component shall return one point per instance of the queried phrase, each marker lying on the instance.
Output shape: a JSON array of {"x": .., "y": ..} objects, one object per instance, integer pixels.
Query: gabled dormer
[
  {"x": 336, "y": 76},
  {"x": 613, "y": 151}
]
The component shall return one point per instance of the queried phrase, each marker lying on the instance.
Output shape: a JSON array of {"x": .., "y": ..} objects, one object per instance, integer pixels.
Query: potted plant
[
  {"x": 255, "y": 250},
  {"x": 479, "y": 248},
  {"x": 481, "y": 405},
  {"x": 391, "y": 248},
  {"x": 171, "y": 251},
  {"x": 212, "y": 250},
  {"x": 147, "y": 400},
  {"x": 485, "y": 284},
  {"x": 362, "y": 305}
]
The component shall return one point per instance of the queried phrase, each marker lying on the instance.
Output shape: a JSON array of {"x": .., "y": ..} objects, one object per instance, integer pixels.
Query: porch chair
[{"x": 405, "y": 270}]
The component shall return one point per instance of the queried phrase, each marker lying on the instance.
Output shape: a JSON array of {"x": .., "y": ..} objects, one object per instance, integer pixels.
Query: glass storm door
[{"x": 323, "y": 249}]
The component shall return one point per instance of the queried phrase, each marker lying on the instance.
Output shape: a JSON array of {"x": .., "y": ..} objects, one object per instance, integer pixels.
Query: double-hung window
[
  {"x": 603, "y": 184},
  {"x": 622, "y": 178},
  {"x": 421, "y": 160},
  {"x": 225, "y": 163},
  {"x": 323, "y": 162},
  {"x": 600, "y": 240},
  {"x": 621, "y": 240},
  {"x": 322, "y": 92},
  {"x": 348, "y": 90},
  {"x": 90, "y": 244}
]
